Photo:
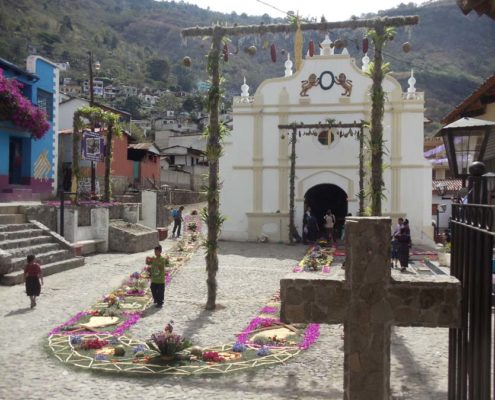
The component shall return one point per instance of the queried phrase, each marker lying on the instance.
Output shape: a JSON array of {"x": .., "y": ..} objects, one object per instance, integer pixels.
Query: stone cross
[{"x": 369, "y": 301}]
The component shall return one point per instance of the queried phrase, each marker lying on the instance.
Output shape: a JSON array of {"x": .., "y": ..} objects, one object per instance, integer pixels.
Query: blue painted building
[{"x": 28, "y": 167}]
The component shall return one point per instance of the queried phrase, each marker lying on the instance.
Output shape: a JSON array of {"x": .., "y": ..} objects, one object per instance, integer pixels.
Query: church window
[{"x": 326, "y": 137}]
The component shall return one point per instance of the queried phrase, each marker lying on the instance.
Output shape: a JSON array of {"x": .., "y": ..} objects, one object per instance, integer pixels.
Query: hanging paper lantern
[
  {"x": 365, "y": 45},
  {"x": 225, "y": 52},
  {"x": 311, "y": 48},
  {"x": 273, "y": 53},
  {"x": 406, "y": 47},
  {"x": 186, "y": 61}
]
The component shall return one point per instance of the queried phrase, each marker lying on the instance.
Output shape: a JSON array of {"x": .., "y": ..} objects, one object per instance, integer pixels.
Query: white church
[{"x": 255, "y": 167}]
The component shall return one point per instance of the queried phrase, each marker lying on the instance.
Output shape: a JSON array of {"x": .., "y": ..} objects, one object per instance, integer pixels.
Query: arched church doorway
[{"x": 327, "y": 196}]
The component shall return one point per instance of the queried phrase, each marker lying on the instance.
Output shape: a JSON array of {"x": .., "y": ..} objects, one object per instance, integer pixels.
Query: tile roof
[{"x": 452, "y": 185}]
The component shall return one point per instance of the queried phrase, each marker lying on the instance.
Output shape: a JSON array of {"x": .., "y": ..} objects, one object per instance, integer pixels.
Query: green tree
[
  {"x": 158, "y": 69},
  {"x": 132, "y": 104},
  {"x": 168, "y": 102}
]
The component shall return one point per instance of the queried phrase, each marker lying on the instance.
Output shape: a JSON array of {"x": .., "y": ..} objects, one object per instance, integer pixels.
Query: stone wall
[
  {"x": 47, "y": 215},
  {"x": 131, "y": 238}
]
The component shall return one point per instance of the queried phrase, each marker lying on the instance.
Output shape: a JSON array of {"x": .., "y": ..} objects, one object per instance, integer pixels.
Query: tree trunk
[
  {"x": 292, "y": 227},
  {"x": 361, "y": 173},
  {"x": 376, "y": 131},
  {"x": 213, "y": 150},
  {"x": 108, "y": 162}
]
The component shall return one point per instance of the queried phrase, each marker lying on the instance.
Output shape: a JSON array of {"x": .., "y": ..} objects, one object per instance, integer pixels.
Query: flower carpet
[{"x": 96, "y": 339}]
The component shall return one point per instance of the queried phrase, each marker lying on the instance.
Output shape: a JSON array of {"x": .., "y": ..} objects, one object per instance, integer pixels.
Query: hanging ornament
[
  {"x": 251, "y": 50},
  {"x": 339, "y": 43},
  {"x": 225, "y": 52},
  {"x": 273, "y": 53},
  {"x": 266, "y": 44},
  {"x": 186, "y": 61},
  {"x": 365, "y": 45},
  {"x": 282, "y": 52},
  {"x": 406, "y": 47},
  {"x": 311, "y": 48}
]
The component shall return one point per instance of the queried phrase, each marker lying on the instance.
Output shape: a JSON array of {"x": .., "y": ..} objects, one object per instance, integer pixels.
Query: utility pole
[{"x": 91, "y": 103}]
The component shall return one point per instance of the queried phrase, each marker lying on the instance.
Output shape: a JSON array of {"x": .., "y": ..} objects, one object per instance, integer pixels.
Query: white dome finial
[
  {"x": 244, "y": 89},
  {"x": 366, "y": 63},
  {"x": 288, "y": 66},
  {"x": 411, "y": 81},
  {"x": 326, "y": 47}
]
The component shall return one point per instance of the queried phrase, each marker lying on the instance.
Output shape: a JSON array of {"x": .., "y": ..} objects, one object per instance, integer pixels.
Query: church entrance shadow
[{"x": 327, "y": 196}]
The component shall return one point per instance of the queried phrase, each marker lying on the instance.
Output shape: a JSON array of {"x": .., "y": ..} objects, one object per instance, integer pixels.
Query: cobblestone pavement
[{"x": 249, "y": 274}]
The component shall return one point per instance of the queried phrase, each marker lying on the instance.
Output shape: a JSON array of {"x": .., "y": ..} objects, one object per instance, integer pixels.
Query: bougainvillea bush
[{"x": 19, "y": 110}]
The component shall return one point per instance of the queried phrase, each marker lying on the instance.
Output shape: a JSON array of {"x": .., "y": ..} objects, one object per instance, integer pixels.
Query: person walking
[
  {"x": 33, "y": 278},
  {"x": 157, "y": 276},
  {"x": 404, "y": 239},
  {"x": 329, "y": 226},
  {"x": 177, "y": 215},
  {"x": 395, "y": 243},
  {"x": 313, "y": 229}
]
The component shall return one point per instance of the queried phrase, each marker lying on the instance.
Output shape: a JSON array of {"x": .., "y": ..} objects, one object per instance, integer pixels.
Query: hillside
[{"x": 138, "y": 43}]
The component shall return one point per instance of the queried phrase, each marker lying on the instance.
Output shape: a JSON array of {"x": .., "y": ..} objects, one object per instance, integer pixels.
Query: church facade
[{"x": 255, "y": 167}]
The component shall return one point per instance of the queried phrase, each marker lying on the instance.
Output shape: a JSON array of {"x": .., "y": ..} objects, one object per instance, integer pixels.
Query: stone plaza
[{"x": 418, "y": 355}]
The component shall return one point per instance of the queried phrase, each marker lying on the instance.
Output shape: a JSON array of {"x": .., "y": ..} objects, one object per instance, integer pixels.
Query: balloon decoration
[
  {"x": 406, "y": 47},
  {"x": 311, "y": 48},
  {"x": 186, "y": 61},
  {"x": 339, "y": 43},
  {"x": 273, "y": 53},
  {"x": 365, "y": 45},
  {"x": 225, "y": 52},
  {"x": 251, "y": 50}
]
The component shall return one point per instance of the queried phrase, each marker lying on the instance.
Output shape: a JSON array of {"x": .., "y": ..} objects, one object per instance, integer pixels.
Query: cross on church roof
[{"x": 369, "y": 301}]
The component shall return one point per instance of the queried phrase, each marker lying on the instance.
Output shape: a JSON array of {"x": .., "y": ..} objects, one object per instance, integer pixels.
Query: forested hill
[{"x": 138, "y": 43}]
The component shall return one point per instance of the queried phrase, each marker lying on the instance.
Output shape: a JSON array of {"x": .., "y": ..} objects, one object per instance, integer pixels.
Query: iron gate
[{"x": 470, "y": 346}]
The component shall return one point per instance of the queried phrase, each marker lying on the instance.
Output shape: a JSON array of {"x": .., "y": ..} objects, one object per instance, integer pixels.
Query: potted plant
[
  {"x": 168, "y": 344},
  {"x": 444, "y": 254}
]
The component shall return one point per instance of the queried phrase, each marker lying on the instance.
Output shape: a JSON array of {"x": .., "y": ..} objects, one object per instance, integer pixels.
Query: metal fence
[{"x": 470, "y": 346}]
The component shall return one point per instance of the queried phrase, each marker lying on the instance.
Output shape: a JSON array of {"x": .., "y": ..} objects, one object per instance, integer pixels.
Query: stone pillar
[
  {"x": 367, "y": 333},
  {"x": 131, "y": 213},
  {"x": 148, "y": 201},
  {"x": 100, "y": 218},
  {"x": 71, "y": 217}
]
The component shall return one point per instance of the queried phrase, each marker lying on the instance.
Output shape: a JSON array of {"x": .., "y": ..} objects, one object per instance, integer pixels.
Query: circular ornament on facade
[{"x": 332, "y": 80}]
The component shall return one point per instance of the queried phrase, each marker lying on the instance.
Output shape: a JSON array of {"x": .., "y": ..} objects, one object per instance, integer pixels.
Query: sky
[{"x": 333, "y": 10}]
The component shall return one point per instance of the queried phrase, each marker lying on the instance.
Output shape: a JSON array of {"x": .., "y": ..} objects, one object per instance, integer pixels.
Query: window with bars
[{"x": 45, "y": 102}]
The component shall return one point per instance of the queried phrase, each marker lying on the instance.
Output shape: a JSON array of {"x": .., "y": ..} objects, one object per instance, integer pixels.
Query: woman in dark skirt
[
  {"x": 404, "y": 239},
  {"x": 33, "y": 277}
]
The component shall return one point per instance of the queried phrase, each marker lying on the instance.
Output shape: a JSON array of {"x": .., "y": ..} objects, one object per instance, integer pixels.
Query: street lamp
[
  {"x": 465, "y": 142},
  {"x": 96, "y": 65}
]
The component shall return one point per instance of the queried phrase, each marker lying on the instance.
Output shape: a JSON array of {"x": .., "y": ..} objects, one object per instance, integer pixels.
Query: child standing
[
  {"x": 177, "y": 215},
  {"x": 157, "y": 275},
  {"x": 33, "y": 277}
]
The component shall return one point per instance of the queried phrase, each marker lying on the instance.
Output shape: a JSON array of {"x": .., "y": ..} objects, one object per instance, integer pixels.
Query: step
[
  {"x": 48, "y": 269},
  {"x": 16, "y": 227},
  {"x": 9, "y": 197},
  {"x": 8, "y": 209},
  {"x": 24, "y": 242},
  {"x": 22, "y": 234},
  {"x": 34, "y": 249},
  {"x": 12, "y": 219},
  {"x": 19, "y": 263}
]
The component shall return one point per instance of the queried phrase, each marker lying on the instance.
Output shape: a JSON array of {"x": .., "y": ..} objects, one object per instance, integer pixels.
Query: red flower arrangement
[
  {"x": 19, "y": 110},
  {"x": 93, "y": 344},
  {"x": 212, "y": 356}
]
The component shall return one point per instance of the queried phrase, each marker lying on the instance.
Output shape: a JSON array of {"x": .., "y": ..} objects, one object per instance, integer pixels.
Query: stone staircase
[{"x": 18, "y": 238}]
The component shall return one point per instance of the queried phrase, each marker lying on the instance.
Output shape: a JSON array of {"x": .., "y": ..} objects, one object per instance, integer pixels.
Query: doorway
[
  {"x": 326, "y": 196},
  {"x": 16, "y": 156}
]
